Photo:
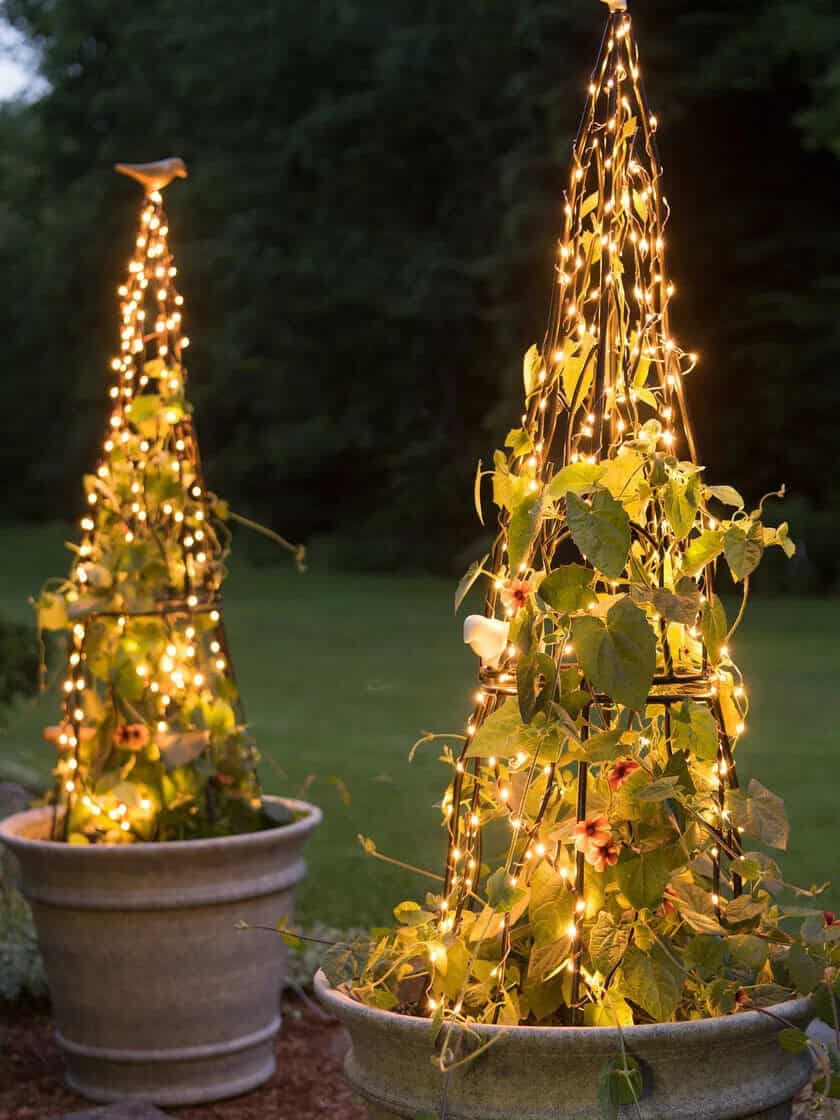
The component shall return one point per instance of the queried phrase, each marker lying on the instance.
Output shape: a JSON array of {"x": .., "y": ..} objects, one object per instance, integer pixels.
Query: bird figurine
[
  {"x": 616, "y": 5},
  {"x": 154, "y": 176}
]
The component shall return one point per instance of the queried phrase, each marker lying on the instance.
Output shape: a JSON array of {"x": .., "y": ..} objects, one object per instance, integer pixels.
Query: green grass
[{"x": 342, "y": 673}]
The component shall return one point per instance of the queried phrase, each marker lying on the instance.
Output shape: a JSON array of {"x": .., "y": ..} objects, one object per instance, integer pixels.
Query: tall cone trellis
[
  {"x": 603, "y": 468},
  {"x": 151, "y": 743}
]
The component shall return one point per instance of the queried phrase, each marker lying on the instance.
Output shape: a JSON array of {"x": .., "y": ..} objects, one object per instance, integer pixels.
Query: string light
[
  {"x": 597, "y": 393},
  {"x": 148, "y": 446}
]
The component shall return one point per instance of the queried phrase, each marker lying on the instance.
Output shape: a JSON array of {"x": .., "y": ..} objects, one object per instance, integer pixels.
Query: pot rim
[
  {"x": 10, "y": 834},
  {"x": 793, "y": 1010}
]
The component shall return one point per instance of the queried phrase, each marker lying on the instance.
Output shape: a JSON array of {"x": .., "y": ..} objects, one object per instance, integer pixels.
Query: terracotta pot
[
  {"x": 156, "y": 994},
  {"x": 716, "y": 1069}
]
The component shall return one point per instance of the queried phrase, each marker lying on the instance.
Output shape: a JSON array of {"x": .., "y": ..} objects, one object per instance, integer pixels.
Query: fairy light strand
[{"x": 609, "y": 362}]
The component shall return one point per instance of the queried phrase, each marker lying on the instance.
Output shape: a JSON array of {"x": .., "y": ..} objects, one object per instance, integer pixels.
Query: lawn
[{"x": 341, "y": 673}]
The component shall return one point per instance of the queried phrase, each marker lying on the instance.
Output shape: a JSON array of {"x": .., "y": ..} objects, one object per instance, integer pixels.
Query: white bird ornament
[{"x": 486, "y": 637}]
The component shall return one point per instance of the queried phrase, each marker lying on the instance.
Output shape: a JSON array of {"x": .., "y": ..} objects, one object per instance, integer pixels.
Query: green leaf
[
  {"x": 726, "y": 494},
  {"x": 607, "y": 942},
  {"x": 382, "y": 999},
  {"x": 288, "y": 936},
  {"x": 545, "y": 996},
  {"x": 601, "y": 531},
  {"x": 177, "y": 748},
  {"x": 743, "y": 549},
  {"x": 412, "y": 914},
  {"x": 520, "y": 443},
  {"x": 613, "y": 1012},
  {"x": 532, "y": 363},
  {"x": 749, "y": 869},
  {"x": 576, "y": 478},
  {"x": 682, "y": 501},
  {"x": 551, "y": 905},
  {"x": 346, "y": 962},
  {"x": 603, "y": 747},
  {"x": 784, "y": 542},
  {"x": 793, "y": 1040},
  {"x": 567, "y": 589},
  {"x": 144, "y": 409},
  {"x": 744, "y": 908},
  {"x": 827, "y": 1003},
  {"x": 502, "y": 895},
  {"x": 457, "y": 968},
  {"x": 535, "y": 677},
  {"x": 652, "y": 981},
  {"x": 52, "y": 612},
  {"x": 618, "y": 655},
  {"x": 524, "y": 523},
  {"x": 705, "y": 953},
  {"x": 626, "y": 1081},
  {"x": 500, "y": 734},
  {"x": 218, "y": 717},
  {"x": 577, "y": 372},
  {"x": 573, "y": 699},
  {"x": 747, "y": 951},
  {"x": 620, "y": 1083},
  {"x": 643, "y": 878},
  {"x": 815, "y": 932},
  {"x": 678, "y": 767},
  {"x": 695, "y": 906},
  {"x": 680, "y": 606},
  {"x": 760, "y": 813},
  {"x": 715, "y": 627},
  {"x": 659, "y": 790},
  {"x": 702, "y": 551},
  {"x": 479, "y": 475},
  {"x": 468, "y": 580},
  {"x": 695, "y": 730},
  {"x": 805, "y": 973}
]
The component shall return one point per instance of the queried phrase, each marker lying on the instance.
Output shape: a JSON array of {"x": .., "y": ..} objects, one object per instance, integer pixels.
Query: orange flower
[
  {"x": 603, "y": 856},
  {"x": 594, "y": 832},
  {"x": 621, "y": 771},
  {"x": 515, "y": 593},
  {"x": 131, "y": 736}
]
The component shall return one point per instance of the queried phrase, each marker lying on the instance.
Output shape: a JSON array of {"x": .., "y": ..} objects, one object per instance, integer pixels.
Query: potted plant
[
  {"x": 603, "y": 937},
  {"x": 158, "y": 839}
]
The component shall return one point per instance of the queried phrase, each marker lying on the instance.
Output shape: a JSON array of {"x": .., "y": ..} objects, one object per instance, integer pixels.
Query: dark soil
[{"x": 308, "y": 1084}]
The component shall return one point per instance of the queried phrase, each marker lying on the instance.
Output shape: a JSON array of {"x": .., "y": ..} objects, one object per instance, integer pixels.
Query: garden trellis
[
  {"x": 609, "y": 708},
  {"x": 152, "y": 743}
]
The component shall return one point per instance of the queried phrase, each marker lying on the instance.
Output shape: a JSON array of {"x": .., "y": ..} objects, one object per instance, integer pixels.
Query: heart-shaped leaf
[
  {"x": 601, "y": 531},
  {"x": 618, "y": 654}
]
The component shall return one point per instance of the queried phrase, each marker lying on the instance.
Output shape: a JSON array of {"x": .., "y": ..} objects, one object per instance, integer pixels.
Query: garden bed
[{"x": 308, "y": 1084}]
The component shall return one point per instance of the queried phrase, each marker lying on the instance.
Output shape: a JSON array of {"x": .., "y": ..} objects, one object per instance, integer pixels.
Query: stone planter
[
  {"x": 716, "y": 1069},
  {"x": 156, "y": 994}
]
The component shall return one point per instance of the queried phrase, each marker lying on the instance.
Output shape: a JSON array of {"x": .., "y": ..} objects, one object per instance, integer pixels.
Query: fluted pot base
[
  {"x": 157, "y": 995},
  {"x": 731, "y": 1068}
]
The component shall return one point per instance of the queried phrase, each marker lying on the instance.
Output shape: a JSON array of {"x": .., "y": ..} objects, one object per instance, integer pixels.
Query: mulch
[{"x": 308, "y": 1084}]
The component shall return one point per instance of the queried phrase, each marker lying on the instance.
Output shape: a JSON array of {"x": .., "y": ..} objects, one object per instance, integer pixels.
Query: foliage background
[{"x": 366, "y": 244}]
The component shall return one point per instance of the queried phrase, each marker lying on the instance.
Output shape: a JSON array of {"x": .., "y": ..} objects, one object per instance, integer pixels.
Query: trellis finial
[{"x": 154, "y": 176}]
